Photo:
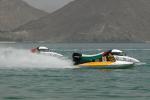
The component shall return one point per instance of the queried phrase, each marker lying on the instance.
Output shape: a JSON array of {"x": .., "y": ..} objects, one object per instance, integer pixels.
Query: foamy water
[{"x": 21, "y": 58}]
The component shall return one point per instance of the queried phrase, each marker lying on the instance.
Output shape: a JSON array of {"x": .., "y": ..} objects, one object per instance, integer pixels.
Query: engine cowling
[{"x": 76, "y": 58}]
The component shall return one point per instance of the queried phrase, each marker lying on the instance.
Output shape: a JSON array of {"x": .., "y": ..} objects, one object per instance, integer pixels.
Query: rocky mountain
[
  {"x": 14, "y": 13},
  {"x": 94, "y": 21}
]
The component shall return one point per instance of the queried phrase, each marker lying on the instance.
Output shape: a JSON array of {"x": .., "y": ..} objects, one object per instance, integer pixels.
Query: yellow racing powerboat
[{"x": 96, "y": 61}]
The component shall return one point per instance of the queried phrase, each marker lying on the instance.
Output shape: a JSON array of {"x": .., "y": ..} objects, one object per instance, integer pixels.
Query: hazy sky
[{"x": 48, "y": 5}]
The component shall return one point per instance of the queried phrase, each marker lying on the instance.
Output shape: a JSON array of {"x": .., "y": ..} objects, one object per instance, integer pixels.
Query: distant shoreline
[
  {"x": 13, "y": 42},
  {"x": 7, "y": 42}
]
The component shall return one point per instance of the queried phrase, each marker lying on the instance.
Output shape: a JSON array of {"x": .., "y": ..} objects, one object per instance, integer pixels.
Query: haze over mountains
[
  {"x": 48, "y": 5},
  {"x": 91, "y": 21},
  {"x": 14, "y": 13}
]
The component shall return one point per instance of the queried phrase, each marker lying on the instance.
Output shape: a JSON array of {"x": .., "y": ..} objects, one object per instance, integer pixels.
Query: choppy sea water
[{"x": 26, "y": 76}]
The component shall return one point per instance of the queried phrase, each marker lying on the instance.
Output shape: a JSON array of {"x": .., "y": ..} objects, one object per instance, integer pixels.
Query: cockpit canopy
[
  {"x": 118, "y": 52},
  {"x": 43, "y": 49}
]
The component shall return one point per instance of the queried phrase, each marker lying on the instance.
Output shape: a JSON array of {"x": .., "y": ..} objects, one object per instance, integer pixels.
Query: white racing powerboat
[{"x": 46, "y": 51}]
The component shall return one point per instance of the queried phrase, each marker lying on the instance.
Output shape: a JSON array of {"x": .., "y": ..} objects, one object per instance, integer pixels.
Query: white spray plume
[{"x": 20, "y": 58}]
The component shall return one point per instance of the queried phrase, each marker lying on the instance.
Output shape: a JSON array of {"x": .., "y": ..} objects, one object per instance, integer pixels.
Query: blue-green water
[{"x": 24, "y": 76}]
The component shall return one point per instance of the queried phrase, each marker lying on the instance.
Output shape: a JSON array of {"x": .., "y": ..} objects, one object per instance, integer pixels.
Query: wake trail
[{"x": 21, "y": 58}]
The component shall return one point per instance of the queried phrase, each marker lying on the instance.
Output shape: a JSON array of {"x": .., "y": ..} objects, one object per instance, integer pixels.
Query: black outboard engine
[{"x": 76, "y": 58}]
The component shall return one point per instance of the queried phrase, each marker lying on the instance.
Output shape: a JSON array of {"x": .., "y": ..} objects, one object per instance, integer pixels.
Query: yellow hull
[
  {"x": 93, "y": 64},
  {"x": 117, "y": 64}
]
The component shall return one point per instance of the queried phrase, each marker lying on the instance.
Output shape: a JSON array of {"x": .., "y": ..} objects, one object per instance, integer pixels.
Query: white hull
[
  {"x": 122, "y": 64},
  {"x": 126, "y": 58},
  {"x": 52, "y": 54}
]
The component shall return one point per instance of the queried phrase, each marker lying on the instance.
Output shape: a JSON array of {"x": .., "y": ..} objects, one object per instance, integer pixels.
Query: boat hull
[
  {"x": 107, "y": 65},
  {"x": 52, "y": 54},
  {"x": 126, "y": 58}
]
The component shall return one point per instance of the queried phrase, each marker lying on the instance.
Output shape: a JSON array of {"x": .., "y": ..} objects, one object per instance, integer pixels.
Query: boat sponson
[{"x": 105, "y": 65}]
